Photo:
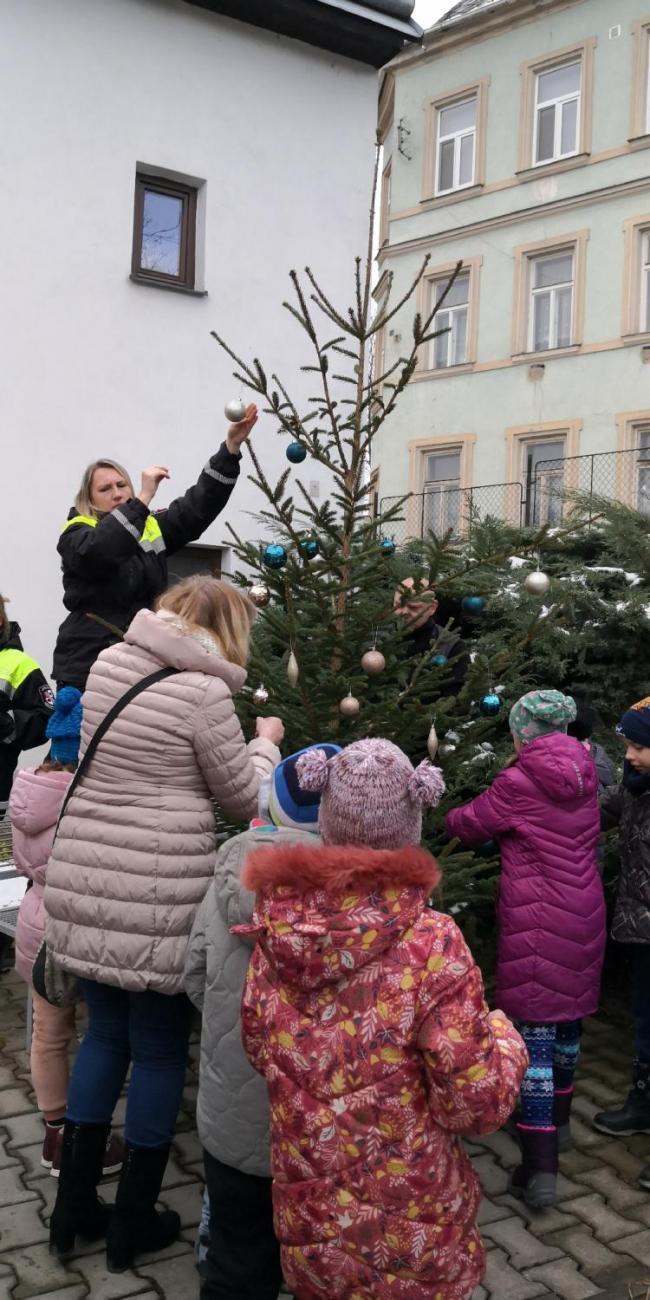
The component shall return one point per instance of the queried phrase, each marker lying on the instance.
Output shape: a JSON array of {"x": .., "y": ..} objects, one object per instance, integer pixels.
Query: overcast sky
[{"x": 427, "y": 11}]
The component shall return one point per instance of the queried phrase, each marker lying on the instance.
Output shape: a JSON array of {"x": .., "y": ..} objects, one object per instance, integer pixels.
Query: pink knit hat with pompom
[{"x": 371, "y": 794}]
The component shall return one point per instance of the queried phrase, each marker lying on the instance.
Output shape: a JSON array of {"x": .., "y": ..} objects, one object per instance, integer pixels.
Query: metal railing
[{"x": 449, "y": 508}]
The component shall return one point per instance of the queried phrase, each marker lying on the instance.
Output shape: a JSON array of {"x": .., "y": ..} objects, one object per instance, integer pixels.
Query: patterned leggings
[{"x": 553, "y": 1051}]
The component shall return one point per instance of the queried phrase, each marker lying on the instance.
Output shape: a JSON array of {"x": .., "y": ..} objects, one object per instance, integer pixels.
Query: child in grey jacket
[{"x": 243, "y": 1256}]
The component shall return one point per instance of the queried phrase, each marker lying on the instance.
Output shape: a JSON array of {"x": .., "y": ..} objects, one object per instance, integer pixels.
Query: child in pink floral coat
[{"x": 364, "y": 1009}]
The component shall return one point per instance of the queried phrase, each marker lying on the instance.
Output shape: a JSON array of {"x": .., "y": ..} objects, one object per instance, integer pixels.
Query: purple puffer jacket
[{"x": 544, "y": 813}]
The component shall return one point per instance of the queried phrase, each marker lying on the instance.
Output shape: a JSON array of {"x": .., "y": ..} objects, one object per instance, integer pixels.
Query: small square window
[
  {"x": 456, "y": 146},
  {"x": 164, "y": 231}
]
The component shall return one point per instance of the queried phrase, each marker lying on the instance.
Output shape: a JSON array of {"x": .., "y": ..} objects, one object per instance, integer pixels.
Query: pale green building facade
[{"x": 517, "y": 139}]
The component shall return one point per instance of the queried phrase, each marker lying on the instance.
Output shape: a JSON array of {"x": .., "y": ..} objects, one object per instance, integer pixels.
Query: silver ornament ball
[
  {"x": 261, "y": 696},
  {"x": 234, "y": 410},
  {"x": 446, "y": 749},
  {"x": 349, "y": 706},
  {"x": 537, "y": 583},
  {"x": 259, "y": 594},
  {"x": 373, "y": 662}
]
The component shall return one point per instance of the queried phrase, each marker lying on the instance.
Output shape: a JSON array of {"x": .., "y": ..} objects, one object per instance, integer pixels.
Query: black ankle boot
[
  {"x": 78, "y": 1211},
  {"x": 135, "y": 1223},
  {"x": 534, "y": 1180},
  {"x": 634, "y": 1115}
]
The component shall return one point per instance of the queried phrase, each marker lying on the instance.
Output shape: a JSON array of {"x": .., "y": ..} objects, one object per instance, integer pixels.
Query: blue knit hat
[
  {"x": 288, "y": 804},
  {"x": 635, "y": 723},
  {"x": 64, "y": 727}
]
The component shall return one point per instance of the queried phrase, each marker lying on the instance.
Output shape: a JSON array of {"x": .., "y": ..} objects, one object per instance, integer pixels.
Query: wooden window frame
[
  {"x": 187, "y": 261},
  {"x": 583, "y": 53},
  {"x": 524, "y": 255}
]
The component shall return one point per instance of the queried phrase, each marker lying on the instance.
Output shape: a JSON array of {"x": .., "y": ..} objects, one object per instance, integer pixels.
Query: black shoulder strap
[{"x": 103, "y": 727}]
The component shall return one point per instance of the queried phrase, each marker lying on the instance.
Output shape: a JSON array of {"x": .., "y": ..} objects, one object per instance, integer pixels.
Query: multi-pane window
[
  {"x": 647, "y": 81},
  {"x": 164, "y": 231},
  {"x": 557, "y": 112},
  {"x": 456, "y": 148},
  {"x": 551, "y": 301},
  {"x": 644, "y": 315},
  {"x": 543, "y": 475},
  {"x": 442, "y": 491},
  {"x": 643, "y": 470},
  {"x": 450, "y": 348}
]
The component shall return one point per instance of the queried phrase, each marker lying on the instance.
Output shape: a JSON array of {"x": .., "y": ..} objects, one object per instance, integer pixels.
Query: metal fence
[
  {"x": 618, "y": 475},
  {"x": 449, "y": 508}
]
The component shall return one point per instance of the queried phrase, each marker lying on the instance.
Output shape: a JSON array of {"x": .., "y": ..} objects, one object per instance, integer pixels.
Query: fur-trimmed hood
[{"x": 327, "y": 910}]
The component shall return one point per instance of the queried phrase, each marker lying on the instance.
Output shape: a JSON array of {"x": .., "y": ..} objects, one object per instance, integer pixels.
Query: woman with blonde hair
[
  {"x": 114, "y": 551},
  {"x": 133, "y": 857}
]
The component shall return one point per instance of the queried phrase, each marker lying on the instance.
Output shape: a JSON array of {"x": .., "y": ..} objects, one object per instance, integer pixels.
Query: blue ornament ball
[
  {"x": 309, "y": 547},
  {"x": 296, "y": 453},
  {"x": 473, "y": 604},
  {"x": 274, "y": 556},
  {"x": 490, "y": 704},
  {"x": 439, "y": 661},
  {"x": 388, "y": 546}
]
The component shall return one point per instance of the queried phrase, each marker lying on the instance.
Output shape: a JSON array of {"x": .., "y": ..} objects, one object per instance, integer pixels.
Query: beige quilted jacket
[{"x": 136, "y": 848}]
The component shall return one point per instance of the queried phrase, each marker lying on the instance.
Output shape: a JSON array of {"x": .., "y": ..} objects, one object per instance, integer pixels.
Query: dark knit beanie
[{"x": 635, "y": 723}]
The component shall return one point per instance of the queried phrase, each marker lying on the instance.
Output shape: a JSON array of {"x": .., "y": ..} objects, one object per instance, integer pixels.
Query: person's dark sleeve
[
  {"x": 30, "y": 709},
  {"x": 611, "y": 807},
  {"x": 187, "y": 518},
  {"x": 459, "y": 663},
  {"x": 91, "y": 552}
]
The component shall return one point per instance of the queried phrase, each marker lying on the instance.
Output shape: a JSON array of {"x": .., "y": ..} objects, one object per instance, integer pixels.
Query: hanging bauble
[
  {"x": 234, "y": 410},
  {"x": 439, "y": 661},
  {"x": 537, "y": 583},
  {"x": 373, "y": 662},
  {"x": 490, "y": 704},
  {"x": 259, "y": 594},
  {"x": 293, "y": 671},
  {"x": 473, "y": 604},
  {"x": 349, "y": 706},
  {"x": 274, "y": 556},
  {"x": 261, "y": 696},
  {"x": 432, "y": 742},
  {"x": 309, "y": 547},
  {"x": 446, "y": 749},
  {"x": 296, "y": 453},
  {"x": 387, "y": 546}
]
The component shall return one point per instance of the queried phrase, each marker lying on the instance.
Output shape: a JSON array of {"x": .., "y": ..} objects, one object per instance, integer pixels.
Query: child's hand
[{"x": 270, "y": 729}]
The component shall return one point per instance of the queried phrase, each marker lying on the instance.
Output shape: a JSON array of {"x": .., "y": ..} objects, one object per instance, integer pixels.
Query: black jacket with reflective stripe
[
  {"x": 112, "y": 569},
  {"x": 25, "y": 710}
]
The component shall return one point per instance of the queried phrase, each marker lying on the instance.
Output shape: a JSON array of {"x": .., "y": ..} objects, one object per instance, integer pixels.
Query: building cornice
[
  {"x": 479, "y": 26},
  {"x": 351, "y": 28}
]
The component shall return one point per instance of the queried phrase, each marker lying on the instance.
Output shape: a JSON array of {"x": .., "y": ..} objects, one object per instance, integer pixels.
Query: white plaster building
[{"x": 257, "y": 132}]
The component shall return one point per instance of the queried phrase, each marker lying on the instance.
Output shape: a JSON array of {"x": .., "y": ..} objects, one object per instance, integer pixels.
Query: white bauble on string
[
  {"x": 537, "y": 583},
  {"x": 432, "y": 742},
  {"x": 293, "y": 671},
  {"x": 234, "y": 410}
]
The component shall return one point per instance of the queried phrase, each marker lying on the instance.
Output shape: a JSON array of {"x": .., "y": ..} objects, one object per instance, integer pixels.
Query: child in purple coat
[{"x": 543, "y": 811}]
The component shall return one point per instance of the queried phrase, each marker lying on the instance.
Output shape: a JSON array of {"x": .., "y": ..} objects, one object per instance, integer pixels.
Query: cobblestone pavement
[{"x": 595, "y": 1242}]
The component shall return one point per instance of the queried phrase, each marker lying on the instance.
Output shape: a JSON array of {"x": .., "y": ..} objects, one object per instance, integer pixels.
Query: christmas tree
[{"x": 329, "y": 654}]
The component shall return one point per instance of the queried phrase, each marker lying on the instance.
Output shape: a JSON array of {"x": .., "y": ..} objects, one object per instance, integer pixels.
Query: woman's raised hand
[
  {"x": 270, "y": 729},
  {"x": 238, "y": 433},
  {"x": 151, "y": 480}
]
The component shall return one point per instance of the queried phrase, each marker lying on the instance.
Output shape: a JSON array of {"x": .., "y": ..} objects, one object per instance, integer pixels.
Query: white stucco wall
[{"x": 93, "y": 364}]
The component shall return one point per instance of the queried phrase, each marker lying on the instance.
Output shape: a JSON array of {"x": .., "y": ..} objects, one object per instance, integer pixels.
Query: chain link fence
[
  {"x": 449, "y": 508},
  {"x": 618, "y": 475}
]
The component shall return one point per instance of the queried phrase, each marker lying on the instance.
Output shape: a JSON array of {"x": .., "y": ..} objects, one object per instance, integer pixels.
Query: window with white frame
[
  {"x": 643, "y": 469},
  {"x": 450, "y": 348},
  {"x": 542, "y": 473},
  {"x": 441, "y": 500},
  {"x": 647, "y": 80},
  {"x": 644, "y": 314},
  {"x": 551, "y": 301},
  {"x": 456, "y": 146},
  {"x": 557, "y": 112}
]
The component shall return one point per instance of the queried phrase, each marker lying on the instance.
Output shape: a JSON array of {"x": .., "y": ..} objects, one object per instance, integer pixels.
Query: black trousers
[{"x": 243, "y": 1260}]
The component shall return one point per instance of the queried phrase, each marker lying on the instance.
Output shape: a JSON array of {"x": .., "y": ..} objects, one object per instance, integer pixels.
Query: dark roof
[
  {"x": 468, "y": 9},
  {"x": 370, "y": 31}
]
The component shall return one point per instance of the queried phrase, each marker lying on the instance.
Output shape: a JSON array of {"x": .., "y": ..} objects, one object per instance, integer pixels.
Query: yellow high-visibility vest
[{"x": 150, "y": 540}]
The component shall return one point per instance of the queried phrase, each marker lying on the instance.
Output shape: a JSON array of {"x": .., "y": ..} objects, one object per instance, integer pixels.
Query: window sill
[
  {"x": 636, "y": 337},
  {"x": 163, "y": 284},
  {"x": 453, "y": 196},
  {"x": 443, "y": 372},
  {"x": 551, "y": 168},
  {"x": 640, "y": 141},
  {"x": 532, "y": 358}
]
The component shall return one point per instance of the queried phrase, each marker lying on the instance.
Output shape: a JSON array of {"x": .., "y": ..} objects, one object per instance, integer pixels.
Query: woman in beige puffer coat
[{"x": 133, "y": 857}]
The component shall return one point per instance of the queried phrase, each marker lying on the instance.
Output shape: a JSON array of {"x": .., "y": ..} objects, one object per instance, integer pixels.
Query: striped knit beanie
[
  {"x": 288, "y": 803},
  {"x": 635, "y": 723}
]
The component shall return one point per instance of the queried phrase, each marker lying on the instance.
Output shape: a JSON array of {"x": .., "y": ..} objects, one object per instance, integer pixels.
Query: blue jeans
[{"x": 148, "y": 1030}]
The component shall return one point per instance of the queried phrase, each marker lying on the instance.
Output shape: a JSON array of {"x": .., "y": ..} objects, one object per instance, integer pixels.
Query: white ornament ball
[
  {"x": 259, "y": 594},
  {"x": 349, "y": 706},
  {"x": 234, "y": 410},
  {"x": 373, "y": 662},
  {"x": 261, "y": 696},
  {"x": 537, "y": 583},
  {"x": 446, "y": 749}
]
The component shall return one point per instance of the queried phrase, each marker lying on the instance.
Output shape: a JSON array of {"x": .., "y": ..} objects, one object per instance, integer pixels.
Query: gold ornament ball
[
  {"x": 349, "y": 706},
  {"x": 261, "y": 696},
  {"x": 260, "y": 595},
  {"x": 234, "y": 410},
  {"x": 537, "y": 583},
  {"x": 373, "y": 662}
]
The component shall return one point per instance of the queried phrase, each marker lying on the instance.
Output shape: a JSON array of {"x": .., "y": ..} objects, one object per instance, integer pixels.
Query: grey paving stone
[
  {"x": 30, "y": 1157},
  {"x": 14, "y": 1101},
  {"x": 582, "y": 1246},
  {"x": 491, "y": 1211},
  {"x": 605, "y": 1095},
  {"x": 616, "y": 1155},
  {"x": 7, "y": 1077},
  {"x": 7, "y": 1282},
  {"x": 38, "y": 1271},
  {"x": 566, "y": 1189},
  {"x": 21, "y": 1130},
  {"x": 494, "y": 1179},
  {"x": 503, "y": 1146},
  {"x": 565, "y": 1280},
  {"x": 187, "y": 1148},
  {"x": 70, "y": 1293},
  {"x": 618, "y": 1195},
  {"x": 605, "y": 1222},
  {"x": 523, "y": 1249},
  {"x": 502, "y": 1282},
  {"x": 12, "y": 1187},
  {"x": 109, "y": 1286},
  {"x": 7, "y": 1158},
  {"x": 540, "y": 1223},
  {"x": 637, "y": 1245},
  {"x": 479, "y": 1294},
  {"x": 574, "y": 1161},
  {"x": 186, "y": 1201},
  {"x": 176, "y": 1174},
  {"x": 173, "y": 1277},
  {"x": 21, "y": 1225}
]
